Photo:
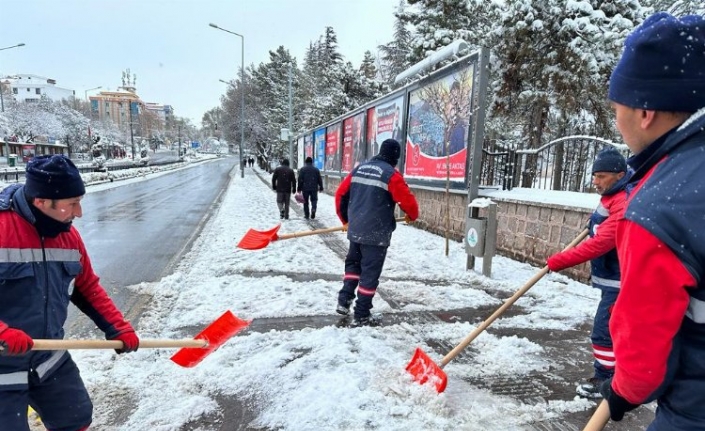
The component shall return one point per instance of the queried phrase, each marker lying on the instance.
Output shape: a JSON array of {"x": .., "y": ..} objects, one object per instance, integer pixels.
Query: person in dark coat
[
  {"x": 284, "y": 183},
  {"x": 609, "y": 176},
  {"x": 44, "y": 266},
  {"x": 310, "y": 183},
  {"x": 365, "y": 202},
  {"x": 657, "y": 91}
]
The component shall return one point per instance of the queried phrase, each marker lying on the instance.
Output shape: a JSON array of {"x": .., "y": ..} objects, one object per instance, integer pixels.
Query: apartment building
[{"x": 30, "y": 88}]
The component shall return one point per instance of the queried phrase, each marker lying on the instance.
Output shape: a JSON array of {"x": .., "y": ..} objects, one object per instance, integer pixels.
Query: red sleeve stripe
[{"x": 603, "y": 355}]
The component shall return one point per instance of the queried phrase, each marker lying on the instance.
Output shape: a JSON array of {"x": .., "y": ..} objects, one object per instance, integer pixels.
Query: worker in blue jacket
[{"x": 44, "y": 265}]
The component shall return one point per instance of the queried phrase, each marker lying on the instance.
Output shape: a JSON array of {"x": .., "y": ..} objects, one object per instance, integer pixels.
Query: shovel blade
[
  {"x": 258, "y": 239},
  {"x": 423, "y": 369},
  {"x": 216, "y": 334}
]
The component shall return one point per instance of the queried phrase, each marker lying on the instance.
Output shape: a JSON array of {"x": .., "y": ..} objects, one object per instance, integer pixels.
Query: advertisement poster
[
  {"x": 333, "y": 147},
  {"x": 319, "y": 145},
  {"x": 384, "y": 122},
  {"x": 358, "y": 142},
  {"x": 347, "y": 163},
  {"x": 438, "y": 126},
  {"x": 372, "y": 149},
  {"x": 308, "y": 146},
  {"x": 28, "y": 152},
  {"x": 301, "y": 151}
]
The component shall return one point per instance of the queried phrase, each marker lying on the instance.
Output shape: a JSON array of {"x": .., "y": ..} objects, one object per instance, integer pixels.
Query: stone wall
[{"x": 526, "y": 231}]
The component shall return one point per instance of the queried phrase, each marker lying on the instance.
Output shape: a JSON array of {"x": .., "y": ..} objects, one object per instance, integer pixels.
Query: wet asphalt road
[{"x": 136, "y": 232}]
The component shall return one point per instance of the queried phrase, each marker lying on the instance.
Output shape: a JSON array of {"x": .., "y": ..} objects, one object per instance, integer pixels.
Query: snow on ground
[{"x": 329, "y": 378}]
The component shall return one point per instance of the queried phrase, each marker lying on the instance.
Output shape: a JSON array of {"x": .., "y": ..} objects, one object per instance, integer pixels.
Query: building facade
[
  {"x": 30, "y": 88},
  {"x": 121, "y": 106}
]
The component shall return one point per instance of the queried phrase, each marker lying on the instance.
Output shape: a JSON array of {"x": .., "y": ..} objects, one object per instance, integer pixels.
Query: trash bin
[
  {"x": 481, "y": 234},
  {"x": 475, "y": 229},
  {"x": 12, "y": 160}
]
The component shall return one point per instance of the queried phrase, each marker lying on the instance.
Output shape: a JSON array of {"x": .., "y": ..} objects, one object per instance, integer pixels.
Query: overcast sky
[{"x": 176, "y": 57}]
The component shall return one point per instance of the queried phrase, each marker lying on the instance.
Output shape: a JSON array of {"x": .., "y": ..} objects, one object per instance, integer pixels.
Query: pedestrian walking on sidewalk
[
  {"x": 43, "y": 266},
  {"x": 657, "y": 91},
  {"x": 284, "y": 183},
  {"x": 609, "y": 176},
  {"x": 310, "y": 183},
  {"x": 365, "y": 202}
]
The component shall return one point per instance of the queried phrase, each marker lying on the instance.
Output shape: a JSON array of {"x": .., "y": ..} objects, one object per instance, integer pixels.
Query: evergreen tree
[
  {"x": 437, "y": 23},
  {"x": 367, "y": 67},
  {"x": 677, "y": 7},
  {"x": 272, "y": 81},
  {"x": 394, "y": 56},
  {"x": 323, "y": 81},
  {"x": 553, "y": 55}
]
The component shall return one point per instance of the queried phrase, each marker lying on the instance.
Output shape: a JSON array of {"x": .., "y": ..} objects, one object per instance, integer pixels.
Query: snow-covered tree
[
  {"x": 367, "y": 67},
  {"x": 394, "y": 56},
  {"x": 437, "y": 23},
  {"x": 212, "y": 120},
  {"x": 272, "y": 82},
  {"x": 323, "y": 74},
  {"x": 677, "y": 7}
]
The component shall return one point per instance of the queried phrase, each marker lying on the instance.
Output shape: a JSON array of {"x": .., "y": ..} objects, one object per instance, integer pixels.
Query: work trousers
[
  {"x": 61, "y": 401},
  {"x": 283, "y": 200},
  {"x": 363, "y": 266}
]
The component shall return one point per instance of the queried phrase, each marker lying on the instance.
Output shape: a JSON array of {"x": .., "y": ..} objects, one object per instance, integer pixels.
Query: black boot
[{"x": 313, "y": 213}]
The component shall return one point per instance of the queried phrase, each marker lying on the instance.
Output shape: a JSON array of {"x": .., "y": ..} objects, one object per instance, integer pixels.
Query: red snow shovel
[
  {"x": 600, "y": 418},
  {"x": 425, "y": 370},
  {"x": 257, "y": 239},
  {"x": 193, "y": 351}
]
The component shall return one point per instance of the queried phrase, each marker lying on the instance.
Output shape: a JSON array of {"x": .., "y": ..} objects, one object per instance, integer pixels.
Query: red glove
[
  {"x": 130, "y": 341},
  {"x": 555, "y": 263},
  {"x": 15, "y": 341}
]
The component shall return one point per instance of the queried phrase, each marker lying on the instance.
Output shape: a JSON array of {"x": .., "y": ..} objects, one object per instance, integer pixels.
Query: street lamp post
[
  {"x": 242, "y": 93},
  {"x": 2, "y": 102},
  {"x": 291, "y": 142},
  {"x": 91, "y": 89}
]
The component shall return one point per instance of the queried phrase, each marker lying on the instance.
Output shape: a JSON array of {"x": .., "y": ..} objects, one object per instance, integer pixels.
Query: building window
[
  {"x": 27, "y": 89},
  {"x": 14, "y": 90},
  {"x": 38, "y": 90}
]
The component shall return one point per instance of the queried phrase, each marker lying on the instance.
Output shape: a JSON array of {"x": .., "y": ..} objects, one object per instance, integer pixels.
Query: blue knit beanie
[
  {"x": 663, "y": 65},
  {"x": 53, "y": 177},
  {"x": 609, "y": 160},
  {"x": 390, "y": 151}
]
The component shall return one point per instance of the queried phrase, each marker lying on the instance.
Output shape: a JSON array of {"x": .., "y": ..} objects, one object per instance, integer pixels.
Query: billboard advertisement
[
  {"x": 333, "y": 147},
  {"x": 319, "y": 145},
  {"x": 301, "y": 154},
  {"x": 384, "y": 122},
  {"x": 438, "y": 127},
  {"x": 358, "y": 142},
  {"x": 347, "y": 163},
  {"x": 353, "y": 142},
  {"x": 308, "y": 146}
]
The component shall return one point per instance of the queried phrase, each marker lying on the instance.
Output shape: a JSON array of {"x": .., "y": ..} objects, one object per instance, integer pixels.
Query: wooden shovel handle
[
  {"x": 317, "y": 231},
  {"x": 114, "y": 344},
  {"x": 600, "y": 418},
  {"x": 508, "y": 303},
  {"x": 310, "y": 232}
]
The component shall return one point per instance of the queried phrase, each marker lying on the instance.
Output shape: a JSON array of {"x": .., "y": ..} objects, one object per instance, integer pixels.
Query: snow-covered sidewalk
[{"x": 330, "y": 378}]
